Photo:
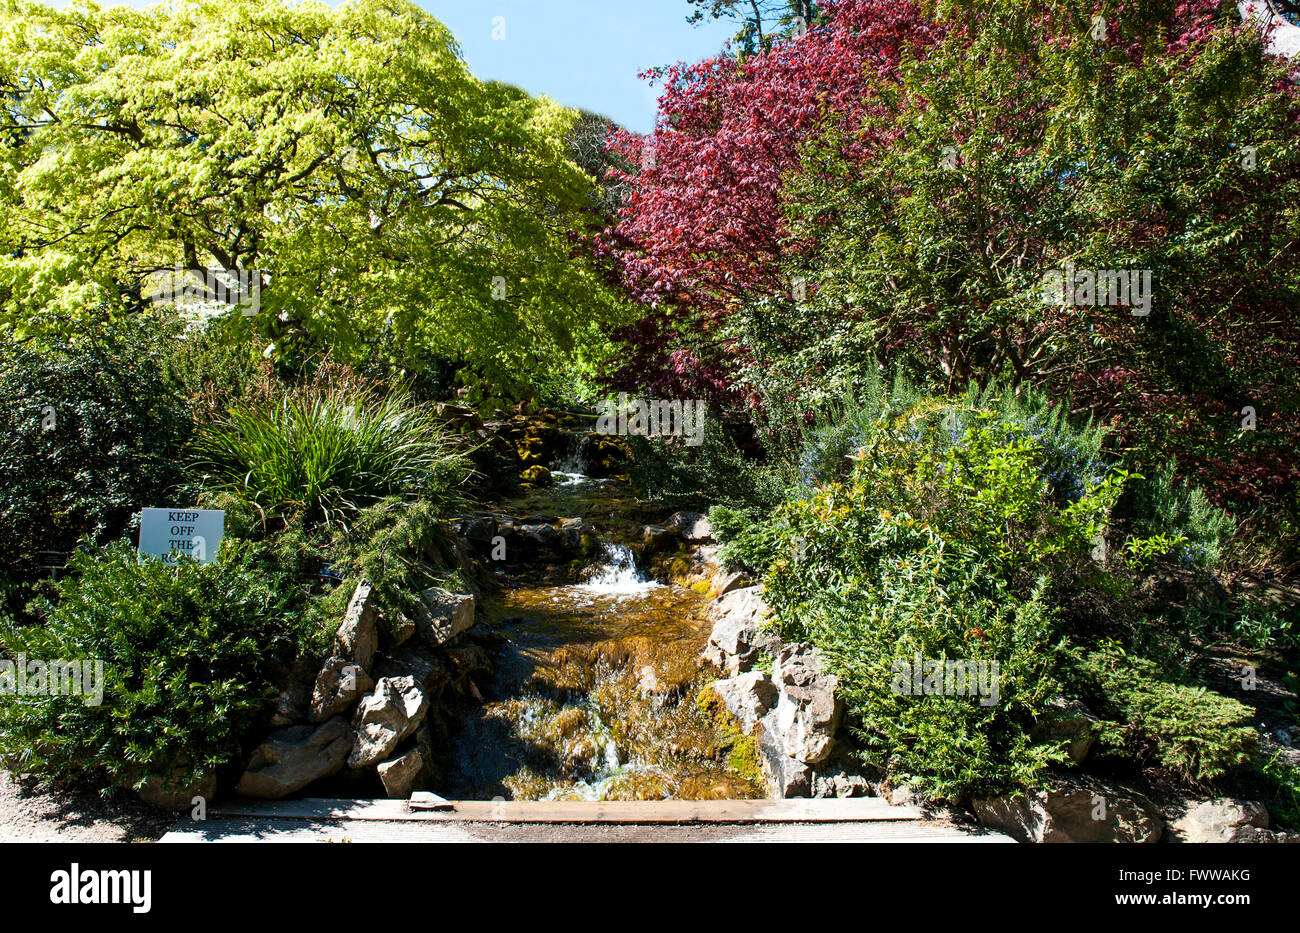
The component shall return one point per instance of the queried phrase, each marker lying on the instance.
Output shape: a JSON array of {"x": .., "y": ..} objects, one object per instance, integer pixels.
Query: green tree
[{"x": 346, "y": 156}]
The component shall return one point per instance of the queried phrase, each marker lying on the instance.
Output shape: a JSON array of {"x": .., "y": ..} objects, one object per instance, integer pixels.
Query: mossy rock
[{"x": 536, "y": 475}]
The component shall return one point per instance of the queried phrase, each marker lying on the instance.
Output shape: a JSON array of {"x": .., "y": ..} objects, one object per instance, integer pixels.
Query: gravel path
[{"x": 33, "y": 812}]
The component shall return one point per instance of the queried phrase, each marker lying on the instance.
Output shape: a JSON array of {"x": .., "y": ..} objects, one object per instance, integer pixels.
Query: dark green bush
[
  {"x": 721, "y": 470},
  {"x": 93, "y": 430},
  {"x": 191, "y": 658},
  {"x": 1198, "y": 735}
]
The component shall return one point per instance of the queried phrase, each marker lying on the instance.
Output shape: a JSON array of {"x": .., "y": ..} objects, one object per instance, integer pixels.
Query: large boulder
[
  {"x": 338, "y": 685},
  {"x": 399, "y": 775},
  {"x": 1074, "y": 811},
  {"x": 693, "y": 526},
  {"x": 748, "y": 697},
  {"x": 384, "y": 718},
  {"x": 358, "y": 636},
  {"x": 290, "y": 759},
  {"x": 1221, "y": 820},
  {"x": 807, "y": 709},
  {"x": 736, "y": 639},
  {"x": 443, "y": 615}
]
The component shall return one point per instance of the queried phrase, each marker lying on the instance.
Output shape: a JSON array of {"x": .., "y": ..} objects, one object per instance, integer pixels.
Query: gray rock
[
  {"x": 1066, "y": 721},
  {"x": 807, "y": 710},
  {"x": 444, "y": 615},
  {"x": 841, "y": 784},
  {"x": 1074, "y": 811},
  {"x": 384, "y": 718},
  {"x": 1221, "y": 820},
  {"x": 785, "y": 776},
  {"x": 399, "y": 775},
  {"x": 358, "y": 636},
  {"x": 338, "y": 685},
  {"x": 403, "y": 631},
  {"x": 737, "y": 620},
  {"x": 748, "y": 697},
  {"x": 728, "y": 581},
  {"x": 694, "y": 527},
  {"x": 290, "y": 759},
  {"x": 541, "y": 538}
]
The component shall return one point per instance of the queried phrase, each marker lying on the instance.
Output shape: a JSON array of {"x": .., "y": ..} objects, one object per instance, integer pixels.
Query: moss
[{"x": 740, "y": 750}]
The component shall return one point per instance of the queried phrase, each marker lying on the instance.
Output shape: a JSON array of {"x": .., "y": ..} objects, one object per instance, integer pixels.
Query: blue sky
[{"x": 583, "y": 53}]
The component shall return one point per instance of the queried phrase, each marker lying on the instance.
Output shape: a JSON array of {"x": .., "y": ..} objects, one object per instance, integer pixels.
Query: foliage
[
  {"x": 947, "y": 540},
  {"x": 720, "y": 470},
  {"x": 346, "y": 158},
  {"x": 746, "y": 541},
  {"x": 190, "y": 658},
  {"x": 325, "y": 453},
  {"x": 93, "y": 428},
  {"x": 1197, "y": 735}
]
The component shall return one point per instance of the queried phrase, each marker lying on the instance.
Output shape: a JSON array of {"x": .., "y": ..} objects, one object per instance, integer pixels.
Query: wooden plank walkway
[{"x": 864, "y": 819}]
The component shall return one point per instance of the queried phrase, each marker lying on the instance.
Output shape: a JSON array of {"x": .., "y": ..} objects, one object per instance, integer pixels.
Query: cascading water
[
  {"x": 618, "y": 575},
  {"x": 569, "y": 471},
  {"x": 594, "y": 696}
]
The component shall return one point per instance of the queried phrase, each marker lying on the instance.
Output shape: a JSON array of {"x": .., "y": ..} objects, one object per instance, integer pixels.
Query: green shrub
[
  {"x": 720, "y": 470},
  {"x": 1283, "y": 783},
  {"x": 191, "y": 655},
  {"x": 958, "y": 528},
  {"x": 1159, "y": 505},
  {"x": 746, "y": 540},
  {"x": 324, "y": 454},
  {"x": 1196, "y": 734},
  {"x": 93, "y": 430}
]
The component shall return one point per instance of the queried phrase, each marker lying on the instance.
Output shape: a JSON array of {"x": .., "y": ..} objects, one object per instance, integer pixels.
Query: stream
[{"x": 594, "y": 692}]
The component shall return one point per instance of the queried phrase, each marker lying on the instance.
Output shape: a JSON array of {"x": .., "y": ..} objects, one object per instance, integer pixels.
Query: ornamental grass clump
[{"x": 324, "y": 454}]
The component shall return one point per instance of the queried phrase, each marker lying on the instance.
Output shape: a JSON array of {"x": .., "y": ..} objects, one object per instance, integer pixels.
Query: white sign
[{"x": 171, "y": 533}]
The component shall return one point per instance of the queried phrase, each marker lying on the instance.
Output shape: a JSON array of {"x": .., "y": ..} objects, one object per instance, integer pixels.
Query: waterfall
[{"x": 618, "y": 574}]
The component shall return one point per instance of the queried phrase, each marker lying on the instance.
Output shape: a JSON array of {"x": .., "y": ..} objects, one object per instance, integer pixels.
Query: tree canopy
[{"x": 347, "y": 156}]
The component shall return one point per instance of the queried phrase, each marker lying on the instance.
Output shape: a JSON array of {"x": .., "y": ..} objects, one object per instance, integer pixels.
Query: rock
[
  {"x": 384, "y": 718},
  {"x": 429, "y": 667},
  {"x": 403, "y": 631},
  {"x": 728, "y": 581},
  {"x": 290, "y": 759},
  {"x": 657, "y": 538},
  {"x": 536, "y": 475},
  {"x": 694, "y": 527},
  {"x": 1221, "y": 820},
  {"x": 577, "y": 536},
  {"x": 399, "y": 775},
  {"x": 338, "y": 685},
  {"x": 1066, "y": 721},
  {"x": 737, "y": 618},
  {"x": 540, "y": 538},
  {"x": 476, "y": 529},
  {"x": 748, "y": 697},
  {"x": 295, "y": 699},
  {"x": 1074, "y": 811},
  {"x": 358, "y": 636},
  {"x": 785, "y": 776},
  {"x": 444, "y": 615},
  {"x": 841, "y": 784},
  {"x": 807, "y": 710},
  {"x": 173, "y": 796}
]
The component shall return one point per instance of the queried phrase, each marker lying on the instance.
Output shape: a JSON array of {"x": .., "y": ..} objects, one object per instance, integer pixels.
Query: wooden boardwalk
[{"x": 865, "y": 819}]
